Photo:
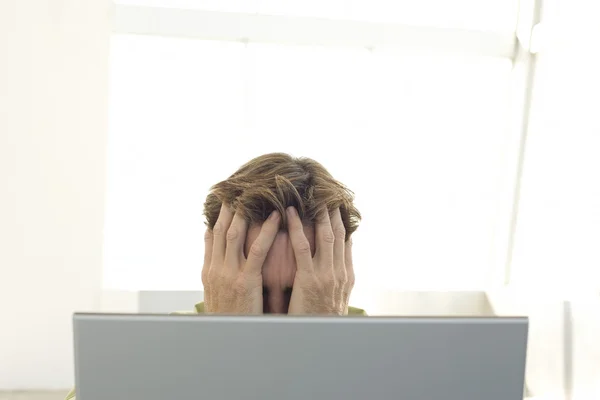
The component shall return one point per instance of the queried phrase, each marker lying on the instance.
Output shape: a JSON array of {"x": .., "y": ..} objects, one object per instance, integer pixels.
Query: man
[{"x": 278, "y": 240}]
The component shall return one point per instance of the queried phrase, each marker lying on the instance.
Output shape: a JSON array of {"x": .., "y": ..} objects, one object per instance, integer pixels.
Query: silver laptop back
[{"x": 159, "y": 357}]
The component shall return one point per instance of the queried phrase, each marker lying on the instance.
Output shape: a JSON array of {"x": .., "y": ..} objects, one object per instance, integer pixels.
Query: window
[
  {"x": 558, "y": 230},
  {"x": 418, "y": 134}
]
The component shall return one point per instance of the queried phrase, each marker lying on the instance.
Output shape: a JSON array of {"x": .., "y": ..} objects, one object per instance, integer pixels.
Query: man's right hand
[{"x": 232, "y": 282}]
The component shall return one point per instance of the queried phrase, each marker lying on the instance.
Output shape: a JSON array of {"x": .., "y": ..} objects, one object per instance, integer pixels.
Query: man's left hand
[{"x": 323, "y": 283}]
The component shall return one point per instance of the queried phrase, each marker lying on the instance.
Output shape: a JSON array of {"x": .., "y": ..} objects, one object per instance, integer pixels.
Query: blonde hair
[{"x": 276, "y": 181}]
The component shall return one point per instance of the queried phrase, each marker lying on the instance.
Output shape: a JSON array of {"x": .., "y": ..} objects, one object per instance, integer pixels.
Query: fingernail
[
  {"x": 274, "y": 215},
  {"x": 292, "y": 211}
]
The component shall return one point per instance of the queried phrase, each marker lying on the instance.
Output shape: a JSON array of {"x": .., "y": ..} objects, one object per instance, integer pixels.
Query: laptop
[{"x": 160, "y": 357}]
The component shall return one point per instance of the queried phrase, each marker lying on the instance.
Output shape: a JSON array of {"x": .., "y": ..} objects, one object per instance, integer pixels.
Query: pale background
[{"x": 106, "y": 139}]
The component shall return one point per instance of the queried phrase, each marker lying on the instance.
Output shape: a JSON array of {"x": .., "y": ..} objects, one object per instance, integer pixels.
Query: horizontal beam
[{"x": 213, "y": 25}]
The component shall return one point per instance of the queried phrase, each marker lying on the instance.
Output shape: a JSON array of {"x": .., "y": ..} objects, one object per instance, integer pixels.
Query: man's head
[{"x": 274, "y": 182}]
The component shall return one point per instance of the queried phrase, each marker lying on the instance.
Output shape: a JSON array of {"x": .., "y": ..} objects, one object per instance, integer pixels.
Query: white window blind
[{"x": 420, "y": 139}]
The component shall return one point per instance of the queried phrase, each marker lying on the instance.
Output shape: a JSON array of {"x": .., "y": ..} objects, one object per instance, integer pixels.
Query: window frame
[{"x": 244, "y": 27}]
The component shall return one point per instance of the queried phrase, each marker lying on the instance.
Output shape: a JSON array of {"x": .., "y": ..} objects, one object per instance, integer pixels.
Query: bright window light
[
  {"x": 419, "y": 139},
  {"x": 558, "y": 229}
]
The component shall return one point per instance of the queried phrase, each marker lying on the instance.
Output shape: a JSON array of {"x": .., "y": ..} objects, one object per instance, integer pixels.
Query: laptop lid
[{"x": 159, "y": 357}]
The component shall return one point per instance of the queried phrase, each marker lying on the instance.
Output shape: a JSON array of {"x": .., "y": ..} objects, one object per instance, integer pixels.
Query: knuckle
[
  {"x": 232, "y": 233},
  {"x": 207, "y": 235},
  {"x": 329, "y": 283},
  {"x": 350, "y": 280},
  {"x": 342, "y": 279},
  {"x": 328, "y": 236},
  {"x": 303, "y": 247},
  {"x": 256, "y": 250},
  {"x": 218, "y": 229},
  {"x": 340, "y": 232}
]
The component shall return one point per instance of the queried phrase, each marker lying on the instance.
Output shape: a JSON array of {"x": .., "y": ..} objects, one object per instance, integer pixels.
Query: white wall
[
  {"x": 585, "y": 316},
  {"x": 423, "y": 303},
  {"x": 546, "y": 361},
  {"x": 53, "y": 92}
]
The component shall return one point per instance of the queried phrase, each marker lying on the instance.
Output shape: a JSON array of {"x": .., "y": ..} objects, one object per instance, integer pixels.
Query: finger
[
  {"x": 260, "y": 248},
  {"x": 348, "y": 261},
  {"x": 325, "y": 239},
  {"x": 299, "y": 241},
  {"x": 220, "y": 232},
  {"x": 236, "y": 237},
  {"x": 208, "y": 244},
  {"x": 339, "y": 233},
  {"x": 208, "y": 247}
]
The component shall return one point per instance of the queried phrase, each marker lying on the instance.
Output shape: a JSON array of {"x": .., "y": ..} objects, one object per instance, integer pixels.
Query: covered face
[
  {"x": 274, "y": 182},
  {"x": 279, "y": 268}
]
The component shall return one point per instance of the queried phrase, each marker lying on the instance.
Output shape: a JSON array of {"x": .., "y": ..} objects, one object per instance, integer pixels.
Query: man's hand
[
  {"x": 232, "y": 282},
  {"x": 323, "y": 283}
]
